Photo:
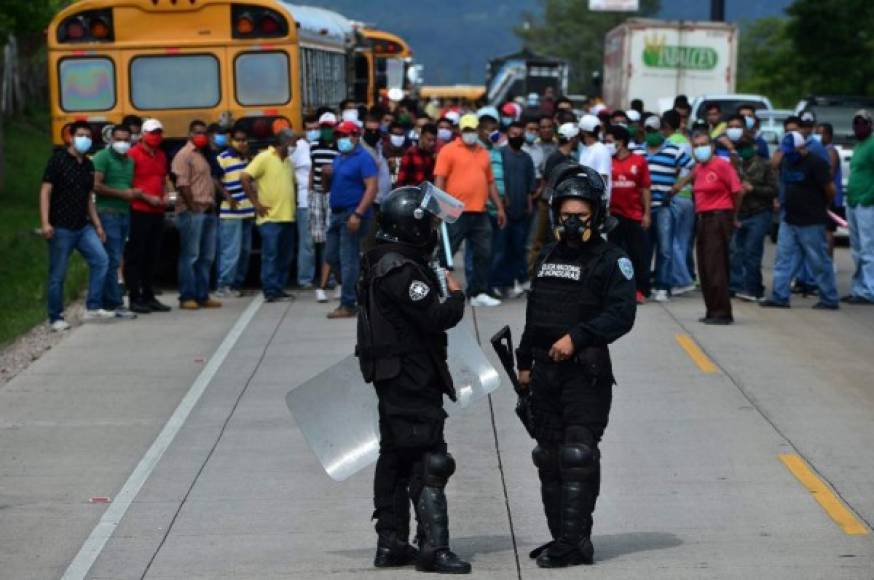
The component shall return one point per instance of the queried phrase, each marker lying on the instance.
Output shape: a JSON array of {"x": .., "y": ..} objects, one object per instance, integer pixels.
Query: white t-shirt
[
  {"x": 598, "y": 158},
  {"x": 302, "y": 165}
]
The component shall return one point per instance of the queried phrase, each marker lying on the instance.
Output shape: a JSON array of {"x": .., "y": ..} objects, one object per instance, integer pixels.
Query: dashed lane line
[{"x": 696, "y": 354}]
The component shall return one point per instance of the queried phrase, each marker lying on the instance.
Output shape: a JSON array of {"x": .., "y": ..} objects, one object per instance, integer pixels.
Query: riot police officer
[
  {"x": 402, "y": 350},
  {"x": 581, "y": 300}
]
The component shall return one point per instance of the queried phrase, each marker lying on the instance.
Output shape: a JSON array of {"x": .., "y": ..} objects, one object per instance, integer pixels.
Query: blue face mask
[
  {"x": 816, "y": 137},
  {"x": 345, "y": 145},
  {"x": 530, "y": 138},
  {"x": 313, "y": 135},
  {"x": 703, "y": 153},
  {"x": 495, "y": 136},
  {"x": 82, "y": 144},
  {"x": 220, "y": 140},
  {"x": 750, "y": 122}
]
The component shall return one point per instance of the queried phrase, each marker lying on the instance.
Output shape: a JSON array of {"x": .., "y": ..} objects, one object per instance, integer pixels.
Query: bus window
[
  {"x": 262, "y": 79},
  {"x": 87, "y": 84},
  {"x": 175, "y": 82}
]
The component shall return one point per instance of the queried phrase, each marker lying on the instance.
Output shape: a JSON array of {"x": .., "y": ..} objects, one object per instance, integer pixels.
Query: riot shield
[{"x": 337, "y": 411}]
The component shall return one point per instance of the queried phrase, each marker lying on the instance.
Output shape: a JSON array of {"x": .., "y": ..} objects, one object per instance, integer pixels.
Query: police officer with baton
[
  {"x": 402, "y": 325},
  {"x": 582, "y": 299}
]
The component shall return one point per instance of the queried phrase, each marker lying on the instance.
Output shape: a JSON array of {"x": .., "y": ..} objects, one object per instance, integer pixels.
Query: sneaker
[
  {"x": 60, "y": 325},
  {"x": 342, "y": 312},
  {"x": 748, "y": 297},
  {"x": 276, "y": 298},
  {"x": 239, "y": 293},
  {"x": 716, "y": 321},
  {"x": 825, "y": 306},
  {"x": 140, "y": 308},
  {"x": 321, "y": 295},
  {"x": 156, "y": 306},
  {"x": 641, "y": 299},
  {"x": 517, "y": 290},
  {"x": 189, "y": 305},
  {"x": 769, "y": 303},
  {"x": 853, "y": 299},
  {"x": 98, "y": 314},
  {"x": 338, "y": 292},
  {"x": 526, "y": 287},
  {"x": 485, "y": 300},
  {"x": 124, "y": 313},
  {"x": 661, "y": 296},
  {"x": 210, "y": 303},
  {"x": 680, "y": 290},
  {"x": 223, "y": 292}
]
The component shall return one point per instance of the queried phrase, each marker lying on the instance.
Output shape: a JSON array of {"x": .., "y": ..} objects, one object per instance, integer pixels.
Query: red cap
[
  {"x": 509, "y": 109},
  {"x": 347, "y": 128}
]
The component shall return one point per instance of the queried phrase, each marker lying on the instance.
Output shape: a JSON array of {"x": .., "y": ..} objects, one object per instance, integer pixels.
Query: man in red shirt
[
  {"x": 630, "y": 204},
  {"x": 417, "y": 164},
  {"x": 146, "y": 219},
  {"x": 718, "y": 193}
]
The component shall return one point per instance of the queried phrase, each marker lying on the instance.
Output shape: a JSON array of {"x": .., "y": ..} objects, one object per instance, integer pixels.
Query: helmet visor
[{"x": 440, "y": 204}]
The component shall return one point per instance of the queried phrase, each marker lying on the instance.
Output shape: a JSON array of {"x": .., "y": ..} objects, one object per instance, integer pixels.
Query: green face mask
[
  {"x": 654, "y": 139},
  {"x": 326, "y": 134},
  {"x": 746, "y": 152}
]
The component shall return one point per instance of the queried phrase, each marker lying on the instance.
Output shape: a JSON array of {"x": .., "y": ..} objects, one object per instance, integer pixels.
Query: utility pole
[{"x": 717, "y": 10}]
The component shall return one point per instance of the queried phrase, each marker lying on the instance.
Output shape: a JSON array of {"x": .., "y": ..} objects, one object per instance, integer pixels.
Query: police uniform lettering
[{"x": 565, "y": 271}]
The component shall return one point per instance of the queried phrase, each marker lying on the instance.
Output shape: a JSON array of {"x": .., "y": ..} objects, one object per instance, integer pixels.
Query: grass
[{"x": 24, "y": 260}]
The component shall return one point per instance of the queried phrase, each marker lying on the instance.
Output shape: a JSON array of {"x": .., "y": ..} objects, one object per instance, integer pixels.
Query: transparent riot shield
[{"x": 337, "y": 411}]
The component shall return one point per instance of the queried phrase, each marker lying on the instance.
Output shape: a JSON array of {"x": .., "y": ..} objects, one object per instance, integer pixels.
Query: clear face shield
[{"x": 440, "y": 204}]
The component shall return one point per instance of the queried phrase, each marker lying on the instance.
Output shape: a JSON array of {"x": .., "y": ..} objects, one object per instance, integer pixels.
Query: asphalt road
[{"x": 717, "y": 437}]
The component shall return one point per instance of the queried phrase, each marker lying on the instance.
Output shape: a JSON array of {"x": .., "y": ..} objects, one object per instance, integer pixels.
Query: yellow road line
[
  {"x": 696, "y": 354},
  {"x": 823, "y": 495}
]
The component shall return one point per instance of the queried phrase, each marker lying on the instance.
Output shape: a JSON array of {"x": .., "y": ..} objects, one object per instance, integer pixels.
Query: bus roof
[
  {"x": 375, "y": 36},
  {"x": 469, "y": 92},
  {"x": 321, "y": 25}
]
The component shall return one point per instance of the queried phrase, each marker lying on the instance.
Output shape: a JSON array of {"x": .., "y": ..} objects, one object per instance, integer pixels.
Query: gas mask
[{"x": 574, "y": 231}]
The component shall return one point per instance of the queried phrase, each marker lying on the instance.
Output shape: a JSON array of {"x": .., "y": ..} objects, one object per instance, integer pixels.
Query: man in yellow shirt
[{"x": 269, "y": 183}]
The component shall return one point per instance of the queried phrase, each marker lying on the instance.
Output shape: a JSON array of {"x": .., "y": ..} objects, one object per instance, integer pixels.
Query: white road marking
[{"x": 93, "y": 546}]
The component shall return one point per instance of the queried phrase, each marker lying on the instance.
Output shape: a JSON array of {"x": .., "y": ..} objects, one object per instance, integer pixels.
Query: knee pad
[
  {"x": 439, "y": 467},
  {"x": 578, "y": 461},
  {"x": 546, "y": 460}
]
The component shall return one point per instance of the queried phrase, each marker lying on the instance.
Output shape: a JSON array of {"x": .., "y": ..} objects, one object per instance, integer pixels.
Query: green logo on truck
[{"x": 657, "y": 54}]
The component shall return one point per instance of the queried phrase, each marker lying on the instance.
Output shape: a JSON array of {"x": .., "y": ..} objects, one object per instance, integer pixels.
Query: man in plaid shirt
[{"x": 417, "y": 164}]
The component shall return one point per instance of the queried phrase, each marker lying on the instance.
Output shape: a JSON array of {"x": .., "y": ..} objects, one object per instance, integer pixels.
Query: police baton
[{"x": 502, "y": 342}]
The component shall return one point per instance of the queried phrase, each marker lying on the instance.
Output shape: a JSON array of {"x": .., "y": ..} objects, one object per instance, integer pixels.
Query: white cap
[
  {"x": 328, "y": 119},
  {"x": 598, "y": 108},
  {"x": 632, "y": 115},
  {"x": 453, "y": 116},
  {"x": 488, "y": 112},
  {"x": 589, "y": 123},
  {"x": 653, "y": 122},
  {"x": 568, "y": 131},
  {"x": 152, "y": 125}
]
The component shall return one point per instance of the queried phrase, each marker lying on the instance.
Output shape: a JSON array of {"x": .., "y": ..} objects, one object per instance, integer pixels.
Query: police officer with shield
[
  {"x": 582, "y": 299},
  {"x": 402, "y": 351}
]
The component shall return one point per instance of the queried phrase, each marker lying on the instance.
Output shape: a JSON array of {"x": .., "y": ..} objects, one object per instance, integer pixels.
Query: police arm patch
[
  {"x": 419, "y": 290},
  {"x": 626, "y": 267}
]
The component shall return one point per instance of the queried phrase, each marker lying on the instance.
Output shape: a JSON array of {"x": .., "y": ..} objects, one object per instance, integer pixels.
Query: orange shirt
[{"x": 468, "y": 174}]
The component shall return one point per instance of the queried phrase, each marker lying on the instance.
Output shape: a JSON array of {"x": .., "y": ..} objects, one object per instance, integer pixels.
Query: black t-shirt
[
  {"x": 72, "y": 184},
  {"x": 554, "y": 159},
  {"x": 805, "y": 201}
]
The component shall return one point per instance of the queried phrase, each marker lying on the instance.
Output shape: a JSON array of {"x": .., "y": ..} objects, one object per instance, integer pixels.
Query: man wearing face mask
[
  {"x": 134, "y": 123},
  {"x": 582, "y": 299},
  {"x": 70, "y": 221},
  {"x": 593, "y": 153},
  {"x": 323, "y": 150},
  {"x": 236, "y": 217},
  {"x": 445, "y": 133},
  {"x": 372, "y": 142},
  {"x": 751, "y": 124},
  {"x": 146, "y": 219},
  {"x": 113, "y": 184},
  {"x": 417, "y": 164},
  {"x": 860, "y": 211},
  {"x": 726, "y": 144},
  {"x": 195, "y": 219},
  {"x": 394, "y": 147}
]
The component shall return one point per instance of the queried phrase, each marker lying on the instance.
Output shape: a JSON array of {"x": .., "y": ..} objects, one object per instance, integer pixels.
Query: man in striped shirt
[
  {"x": 236, "y": 217},
  {"x": 665, "y": 161},
  {"x": 323, "y": 150}
]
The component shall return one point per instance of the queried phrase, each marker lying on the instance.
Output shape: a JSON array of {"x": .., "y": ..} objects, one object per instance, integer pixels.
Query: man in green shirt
[
  {"x": 860, "y": 211},
  {"x": 113, "y": 178}
]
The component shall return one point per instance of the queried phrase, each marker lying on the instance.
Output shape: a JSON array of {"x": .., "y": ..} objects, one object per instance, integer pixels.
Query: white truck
[{"x": 656, "y": 60}]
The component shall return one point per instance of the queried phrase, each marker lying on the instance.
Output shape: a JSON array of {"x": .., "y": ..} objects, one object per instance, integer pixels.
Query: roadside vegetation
[{"x": 24, "y": 256}]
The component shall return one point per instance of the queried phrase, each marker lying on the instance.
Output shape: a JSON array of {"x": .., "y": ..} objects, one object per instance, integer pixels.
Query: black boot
[
  {"x": 393, "y": 551},
  {"x": 550, "y": 493},
  {"x": 434, "y": 552}
]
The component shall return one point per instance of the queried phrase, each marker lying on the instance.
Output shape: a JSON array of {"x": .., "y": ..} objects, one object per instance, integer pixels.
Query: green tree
[
  {"x": 569, "y": 30},
  {"x": 768, "y": 63},
  {"x": 27, "y": 18}
]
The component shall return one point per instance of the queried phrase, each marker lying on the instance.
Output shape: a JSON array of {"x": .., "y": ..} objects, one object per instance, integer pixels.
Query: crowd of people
[{"x": 692, "y": 201}]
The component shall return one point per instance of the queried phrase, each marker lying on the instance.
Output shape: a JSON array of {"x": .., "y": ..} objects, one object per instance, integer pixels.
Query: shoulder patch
[
  {"x": 419, "y": 290},
  {"x": 626, "y": 267}
]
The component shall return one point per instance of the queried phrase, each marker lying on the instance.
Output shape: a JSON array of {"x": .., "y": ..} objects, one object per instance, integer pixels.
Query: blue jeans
[
  {"x": 197, "y": 241},
  {"x": 343, "y": 253},
  {"x": 862, "y": 245},
  {"x": 747, "y": 249},
  {"x": 235, "y": 247},
  {"x": 475, "y": 228},
  {"x": 803, "y": 243},
  {"x": 306, "y": 249},
  {"x": 61, "y": 245},
  {"x": 683, "y": 213},
  {"x": 277, "y": 248},
  {"x": 661, "y": 243},
  {"x": 509, "y": 258},
  {"x": 116, "y": 225}
]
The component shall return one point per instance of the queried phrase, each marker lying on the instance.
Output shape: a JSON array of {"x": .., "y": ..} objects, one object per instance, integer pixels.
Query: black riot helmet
[
  {"x": 402, "y": 220},
  {"x": 571, "y": 180}
]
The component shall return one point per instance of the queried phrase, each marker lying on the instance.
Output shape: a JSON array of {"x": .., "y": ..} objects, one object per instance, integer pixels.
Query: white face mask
[
  {"x": 469, "y": 138},
  {"x": 734, "y": 133},
  {"x": 444, "y": 134},
  {"x": 121, "y": 147},
  {"x": 397, "y": 140},
  {"x": 611, "y": 148},
  {"x": 350, "y": 115}
]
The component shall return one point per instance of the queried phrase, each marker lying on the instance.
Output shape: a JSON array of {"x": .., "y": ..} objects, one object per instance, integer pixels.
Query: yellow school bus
[
  {"x": 390, "y": 59},
  {"x": 259, "y": 61}
]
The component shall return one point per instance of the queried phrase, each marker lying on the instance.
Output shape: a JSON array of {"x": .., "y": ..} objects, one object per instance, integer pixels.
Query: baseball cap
[
  {"x": 348, "y": 128},
  {"x": 791, "y": 141},
  {"x": 328, "y": 119},
  {"x": 468, "y": 121},
  {"x": 597, "y": 109},
  {"x": 632, "y": 115},
  {"x": 509, "y": 109},
  {"x": 568, "y": 131},
  {"x": 453, "y": 117},
  {"x": 152, "y": 125},
  {"x": 652, "y": 122},
  {"x": 862, "y": 114},
  {"x": 808, "y": 118},
  {"x": 488, "y": 112},
  {"x": 589, "y": 123}
]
